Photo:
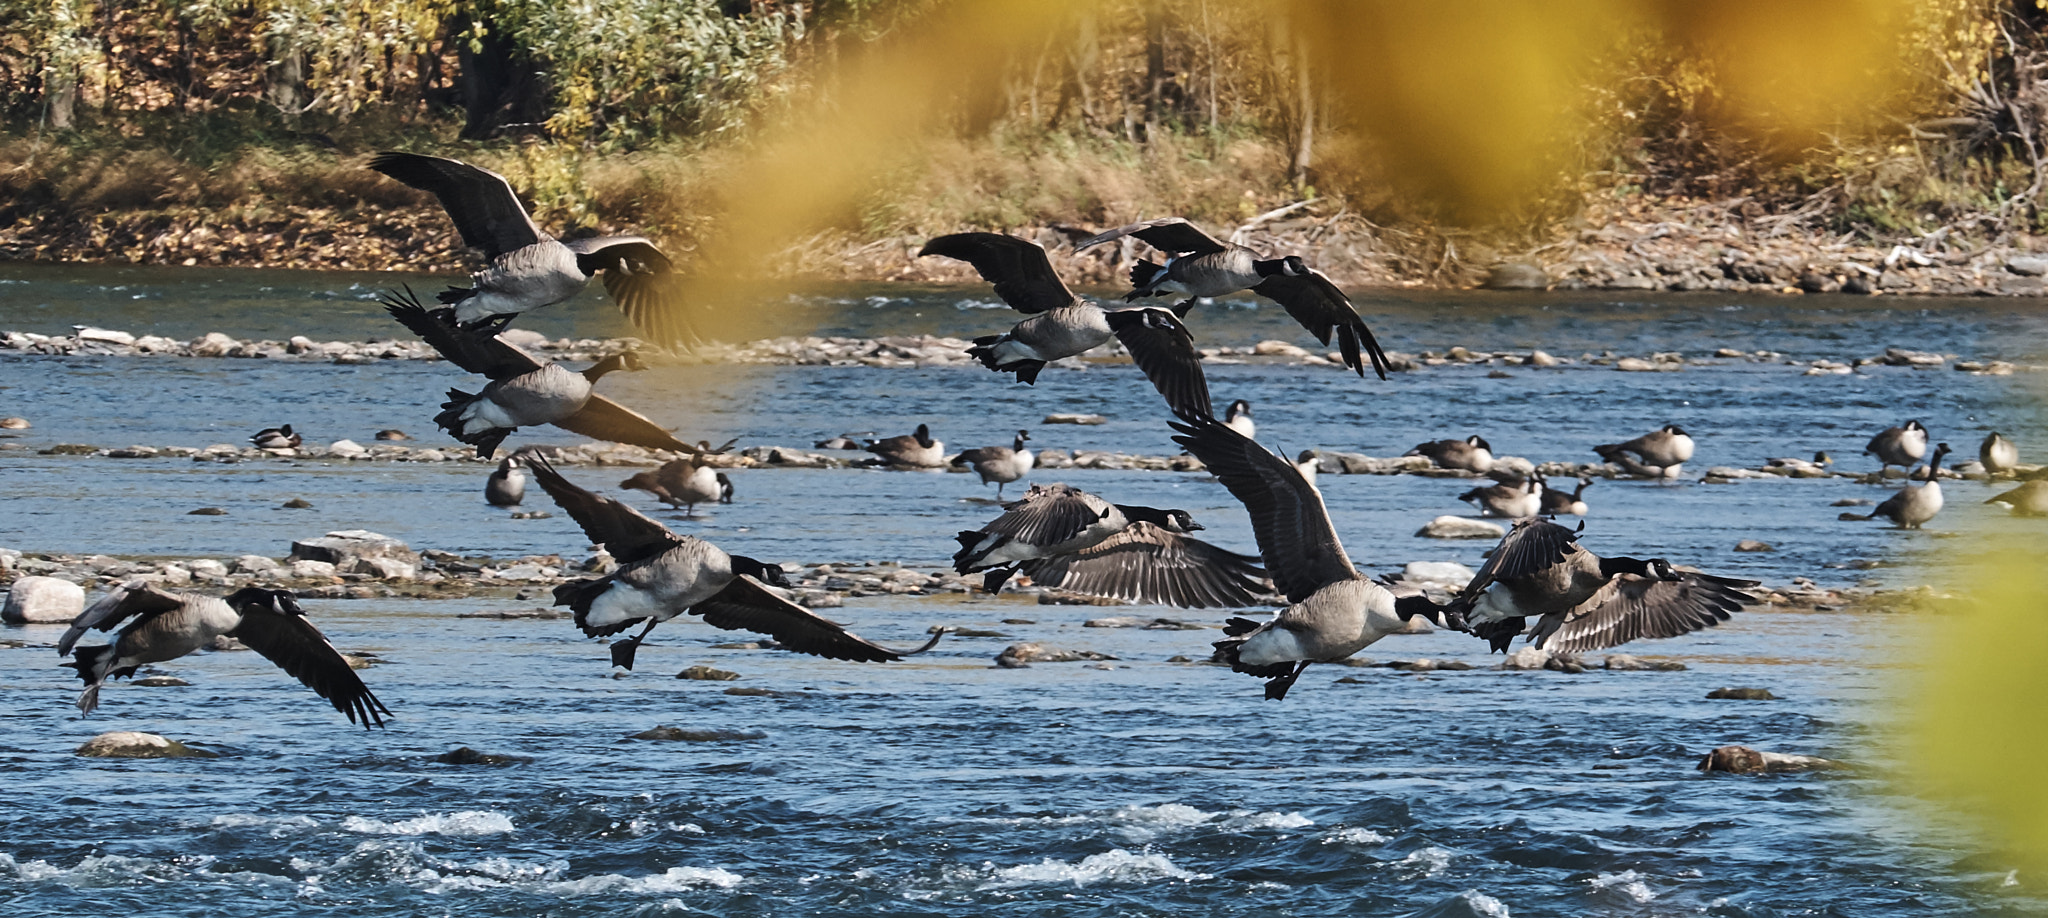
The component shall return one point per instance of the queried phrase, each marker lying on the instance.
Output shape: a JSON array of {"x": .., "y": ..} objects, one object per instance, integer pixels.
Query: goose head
[
  {"x": 624, "y": 360},
  {"x": 923, "y": 436},
  {"x": 1675, "y": 430},
  {"x": 1180, "y": 521},
  {"x": 770, "y": 574},
  {"x": 1478, "y": 441},
  {"x": 1238, "y": 409}
]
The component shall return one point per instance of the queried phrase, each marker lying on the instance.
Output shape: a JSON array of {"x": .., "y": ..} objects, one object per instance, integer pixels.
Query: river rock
[
  {"x": 1513, "y": 276},
  {"x": 1020, "y": 655},
  {"x": 1754, "y": 545},
  {"x": 1458, "y": 527},
  {"x": 680, "y": 735},
  {"x": 254, "y": 564},
  {"x": 2027, "y": 265},
  {"x": 359, "y": 551},
  {"x": 311, "y": 570},
  {"x": 1085, "y": 420},
  {"x": 126, "y": 744},
  {"x": 104, "y": 336},
  {"x": 347, "y": 449},
  {"x": 42, "y": 599},
  {"x": 1621, "y": 662},
  {"x": 1742, "y": 694},
  {"x": 14, "y": 423},
  {"x": 161, "y": 682},
  {"x": 701, "y": 673},
  {"x": 1743, "y": 760},
  {"x": 463, "y": 755},
  {"x": 213, "y": 344}
]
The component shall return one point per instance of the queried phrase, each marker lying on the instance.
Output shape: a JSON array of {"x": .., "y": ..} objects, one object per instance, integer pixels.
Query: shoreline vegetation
[{"x": 1657, "y": 149}]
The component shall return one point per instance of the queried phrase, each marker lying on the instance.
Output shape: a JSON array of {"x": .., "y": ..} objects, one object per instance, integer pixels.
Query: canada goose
[
  {"x": 1000, "y": 464},
  {"x": 1472, "y": 454},
  {"x": 1148, "y": 563},
  {"x": 1064, "y": 325},
  {"x": 724, "y": 487},
  {"x": 1998, "y": 453},
  {"x": 1914, "y": 505},
  {"x": 681, "y": 483},
  {"x": 843, "y": 441},
  {"x": 1559, "y": 503},
  {"x": 167, "y": 626},
  {"x": 1335, "y": 612},
  {"x": 529, "y": 269},
  {"x": 1817, "y": 467},
  {"x": 523, "y": 391},
  {"x": 1203, "y": 267},
  {"x": 1052, "y": 520},
  {"x": 1901, "y": 446},
  {"x": 662, "y": 575},
  {"x": 507, "y": 486},
  {"x": 1664, "y": 452},
  {"x": 277, "y": 438},
  {"x": 912, "y": 451},
  {"x": 1239, "y": 418},
  {"x": 1309, "y": 463},
  {"x": 1514, "y": 497},
  {"x": 2030, "y": 499},
  {"x": 1586, "y": 602}
]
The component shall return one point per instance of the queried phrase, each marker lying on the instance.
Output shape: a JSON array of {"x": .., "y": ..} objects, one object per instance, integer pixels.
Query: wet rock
[
  {"x": 348, "y": 449},
  {"x": 14, "y": 424},
  {"x": 1621, "y": 662},
  {"x": 1085, "y": 420},
  {"x": 1077, "y": 599},
  {"x": 125, "y": 744},
  {"x": 161, "y": 682},
  {"x": 701, "y": 673},
  {"x": 1744, "y": 760},
  {"x": 749, "y": 691},
  {"x": 1901, "y": 357},
  {"x": 463, "y": 755},
  {"x": 1513, "y": 276},
  {"x": 297, "y": 503},
  {"x": 1528, "y": 658},
  {"x": 311, "y": 570},
  {"x": 213, "y": 344},
  {"x": 1754, "y": 545},
  {"x": 1458, "y": 527},
  {"x": 42, "y": 599},
  {"x": 206, "y": 567},
  {"x": 1742, "y": 694},
  {"x": 533, "y": 515},
  {"x": 1540, "y": 359},
  {"x": 1427, "y": 665},
  {"x": 1449, "y": 574},
  {"x": 1020, "y": 655},
  {"x": 359, "y": 551},
  {"x": 254, "y": 564},
  {"x": 392, "y": 435},
  {"x": 208, "y": 511},
  {"x": 103, "y": 336},
  {"x": 680, "y": 735},
  {"x": 2027, "y": 265}
]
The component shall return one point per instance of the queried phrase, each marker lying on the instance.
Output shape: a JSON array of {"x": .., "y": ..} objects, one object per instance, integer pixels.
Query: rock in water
[
  {"x": 707, "y": 674},
  {"x": 463, "y": 755},
  {"x": 1020, "y": 655},
  {"x": 1742, "y": 694},
  {"x": 130, "y": 745},
  {"x": 358, "y": 551},
  {"x": 42, "y": 599},
  {"x": 680, "y": 735},
  {"x": 1458, "y": 527},
  {"x": 1743, "y": 760}
]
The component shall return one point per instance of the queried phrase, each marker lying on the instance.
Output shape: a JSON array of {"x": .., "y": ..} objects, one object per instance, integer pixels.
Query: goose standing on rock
[
  {"x": 1053, "y": 520},
  {"x": 1472, "y": 454},
  {"x": 507, "y": 486},
  {"x": 1584, "y": 602},
  {"x": 1998, "y": 454},
  {"x": 1514, "y": 497},
  {"x": 529, "y": 269},
  {"x": 279, "y": 438},
  {"x": 1913, "y": 505},
  {"x": 1560, "y": 503},
  {"x": 662, "y": 575},
  {"x": 1238, "y": 417},
  {"x": 168, "y": 625},
  {"x": 1663, "y": 452},
  {"x": 683, "y": 483},
  {"x": 1901, "y": 446},
  {"x": 1200, "y": 266},
  {"x": 523, "y": 391},
  {"x": 1063, "y": 325},
  {"x": 1000, "y": 464},
  {"x": 1335, "y": 611},
  {"x": 912, "y": 451}
]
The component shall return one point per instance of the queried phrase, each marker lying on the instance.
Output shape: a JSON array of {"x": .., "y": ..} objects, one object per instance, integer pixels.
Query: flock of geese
[{"x": 1539, "y": 581}]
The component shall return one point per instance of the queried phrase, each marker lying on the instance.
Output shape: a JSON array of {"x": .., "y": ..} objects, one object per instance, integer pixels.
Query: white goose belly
[
  {"x": 1335, "y": 622},
  {"x": 543, "y": 396},
  {"x": 664, "y": 587},
  {"x": 541, "y": 274}
]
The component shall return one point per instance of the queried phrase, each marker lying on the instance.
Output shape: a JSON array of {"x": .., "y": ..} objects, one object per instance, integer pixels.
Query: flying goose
[
  {"x": 523, "y": 391},
  {"x": 662, "y": 575},
  {"x": 1064, "y": 325},
  {"x": 168, "y": 625},
  {"x": 1149, "y": 563},
  {"x": 1557, "y": 502},
  {"x": 1513, "y": 497},
  {"x": 1472, "y": 454},
  {"x": 1998, "y": 453},
  {"x": 277, "y": 438},
  {"x": 1663, "y": 452},
  {"x": 912, "y": 451},
  {"x": 1901, "y": 446},
  {"x": 507, "y": 485},
  {"x": 1239, "y": 418},
  {"x": 529, "y": 269},
  {"x": 1203, "y": 267},
  {"x": 2030, "y": 499},
  {"x": 1584, "y": 602},
  {"x": 1913, "y": 505},
  {"x": 1335, "y": 611},
  {"x": 1000, "y": 464},
  {"x": 683, "y": 483},
  {"x": 1052, "y": 520}
]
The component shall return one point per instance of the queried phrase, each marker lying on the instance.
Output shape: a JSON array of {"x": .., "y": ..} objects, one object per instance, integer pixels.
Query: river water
[{"x": 942, "y": 786}]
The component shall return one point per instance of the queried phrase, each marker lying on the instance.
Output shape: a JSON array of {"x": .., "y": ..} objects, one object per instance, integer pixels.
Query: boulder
[
  {"x": 1527, "y": 658},
  {"x": 680, "y": 735},
  {"x": 1742, "y": 694},
  {"x": 347, "y": 449},
  {"x": 1450, "y": 574},
  {"x": 1743, "y": 760},
  {"x": 42, "y": 599},
  {"x": 214, "y": 344},
  {"x": 255, "y": 564},
  {"x": 1514, "y": 276},
  {"x": 127, "y": 744},
  {"x": 311, "y": 570},
  {"x": 1621, "y": 662},
  {"x": 359, "y": 551},
  {"x": 104, "y": 335},
  {"x": 1458, "y": 527},
  {"x": 1754, "y": 545},
  {"x": 2027, "y": 265},
  {"x": 1085, "y": 420},
  {"x": 701, "y": 673},
  {"x": 463, "y": 755},
  {"x": 1029, "y": 652}
]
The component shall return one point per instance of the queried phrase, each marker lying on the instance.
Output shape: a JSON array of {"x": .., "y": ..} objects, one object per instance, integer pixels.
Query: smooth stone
[
  {"x": 1754, "y": 545},
  {"x": 392, "y": 435},
  {"x": 1085, "y": 420},
  {"x": 1448, "y": 573},
  {"x": 2027, "y": 265},
  {"x": 311, "y": 570},
  {"x": 1458, "y": 527},
  {"x": 463, "y": 755},
  {"x": 1029, "y": 652},
  {"x": 347, "y": 449},
  {"x": 359, "y": 551},
  {"x": 297, "y": 503},
  {"x": 208, "y": 511},
  {"x": 42, "y": 599},
  {"x": 14, "y": 424},
  {"x": 1517, "y": 276},
  {"x": 255, "y": 564},
  {"x": 1744, "y": 760},
  {"x": 701, "y": 673},
  {"x": 104, "y": 335},
  {"x": 127, "y": 744},
  {"x": 1621, "y": 662},
  {"x": 1742, "y": 694},
  {"x": 680, "y": 735}
]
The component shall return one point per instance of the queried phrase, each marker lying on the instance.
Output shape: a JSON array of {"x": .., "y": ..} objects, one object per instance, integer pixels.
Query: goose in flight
[
  {"x": 166, "y": 626},
  {"x": 1063, "y": 527},
  {"x": 1200, "y": 266},
  {"x": 1062, "y": 325},
  {"x": 661, "y": 575},
  {"x": 529, "y": 269}
]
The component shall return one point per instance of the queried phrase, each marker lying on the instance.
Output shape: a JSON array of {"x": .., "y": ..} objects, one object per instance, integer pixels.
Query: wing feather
[
  {"x": 746, "y": 605},
  {"x": 601, "y": 418},
  {"x": 1317, "y": 303},
  {"x": 1145, "y": 563},
  {"x": 298, "y": 648},
  {"x": 1630, "y": 608},
  {"x": 1048, "y": 515},
  {"x": 644, "y": 283},
  {"x": 1164, "y": 349},
  {"x": 117, "y": 606},
  {"x": 478, "y": 352},
  {"x": 1173, "y": 235},
  {"x": 1018, "y": 268},
  {"x": 482, "y": 204},
  {"x": 1300, "y": 546},
  {"x": 623, "y": 531}
]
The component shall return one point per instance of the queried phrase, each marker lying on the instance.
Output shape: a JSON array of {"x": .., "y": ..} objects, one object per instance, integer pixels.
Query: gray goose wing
[
  {"x": 1314, "y": 301},
  {"x": 298, "y": 648},
  {"x": 1173, "y": 235},
  {"x": 1631, "y": 607},
  {"x": 1164, "y": 349},
  {"x": 1532, "y": 546},
  {"x": 601, "y": 418},
  {"x": 746, "y": 605},
  {"x": 1023, "y": 276},
  {"x": 1300, "y": 546},
  {"x": 478, "y": 352},
  {"x": 1148, "y": 564},
  {"x": 481, "y": 203},
  {"x": 622, "y": 530},
  {"x": 1048, "y": 515},
  {"x": 644, "y": 283},
  {"x": 115, "y": 607}
]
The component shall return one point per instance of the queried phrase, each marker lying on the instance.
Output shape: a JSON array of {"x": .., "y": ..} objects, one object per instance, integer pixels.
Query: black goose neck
[{"x": 1611, "y": 567}]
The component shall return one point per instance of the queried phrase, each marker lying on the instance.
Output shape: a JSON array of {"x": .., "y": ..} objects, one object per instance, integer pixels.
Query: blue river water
[{"x": 942, "y": 785}]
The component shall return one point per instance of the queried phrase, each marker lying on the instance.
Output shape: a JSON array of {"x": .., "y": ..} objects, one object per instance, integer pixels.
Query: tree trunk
[
  {"x": 284, "y": 77},
  {"x": 499, "y": 87},
  {"x": 1155, "y": 66},
  {"x": 60, "y": 97},
  {"x": 1304, "y": 146}
]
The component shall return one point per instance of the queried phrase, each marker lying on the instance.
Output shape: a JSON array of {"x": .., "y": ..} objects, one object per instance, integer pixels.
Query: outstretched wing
[
  {"x": 643, "y": 282},
  {"x": 1023, "y": 276},
  {"x": 1295, "y": 536},
  {"x": 1162, "y": 347},
  {"x": 298, "y": 648},
  {"x": 1145, "y": 563},
  {"x": 476, "y": 351},
  {"x": 116, "y": 607},
  {"x": 1048, "y": 515},
  {"x": 1174, "y": 235},
  {"x": 746, "y": 605},
  {"x": 482, "y": 204},
  {"x": 601, "y": 418},
  {"x": 1630, "y": 608},
  {"x": 1314, "y": 301},
  {"x": 1533, "y": 545},
  {"x": 622, "y": 530}
]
